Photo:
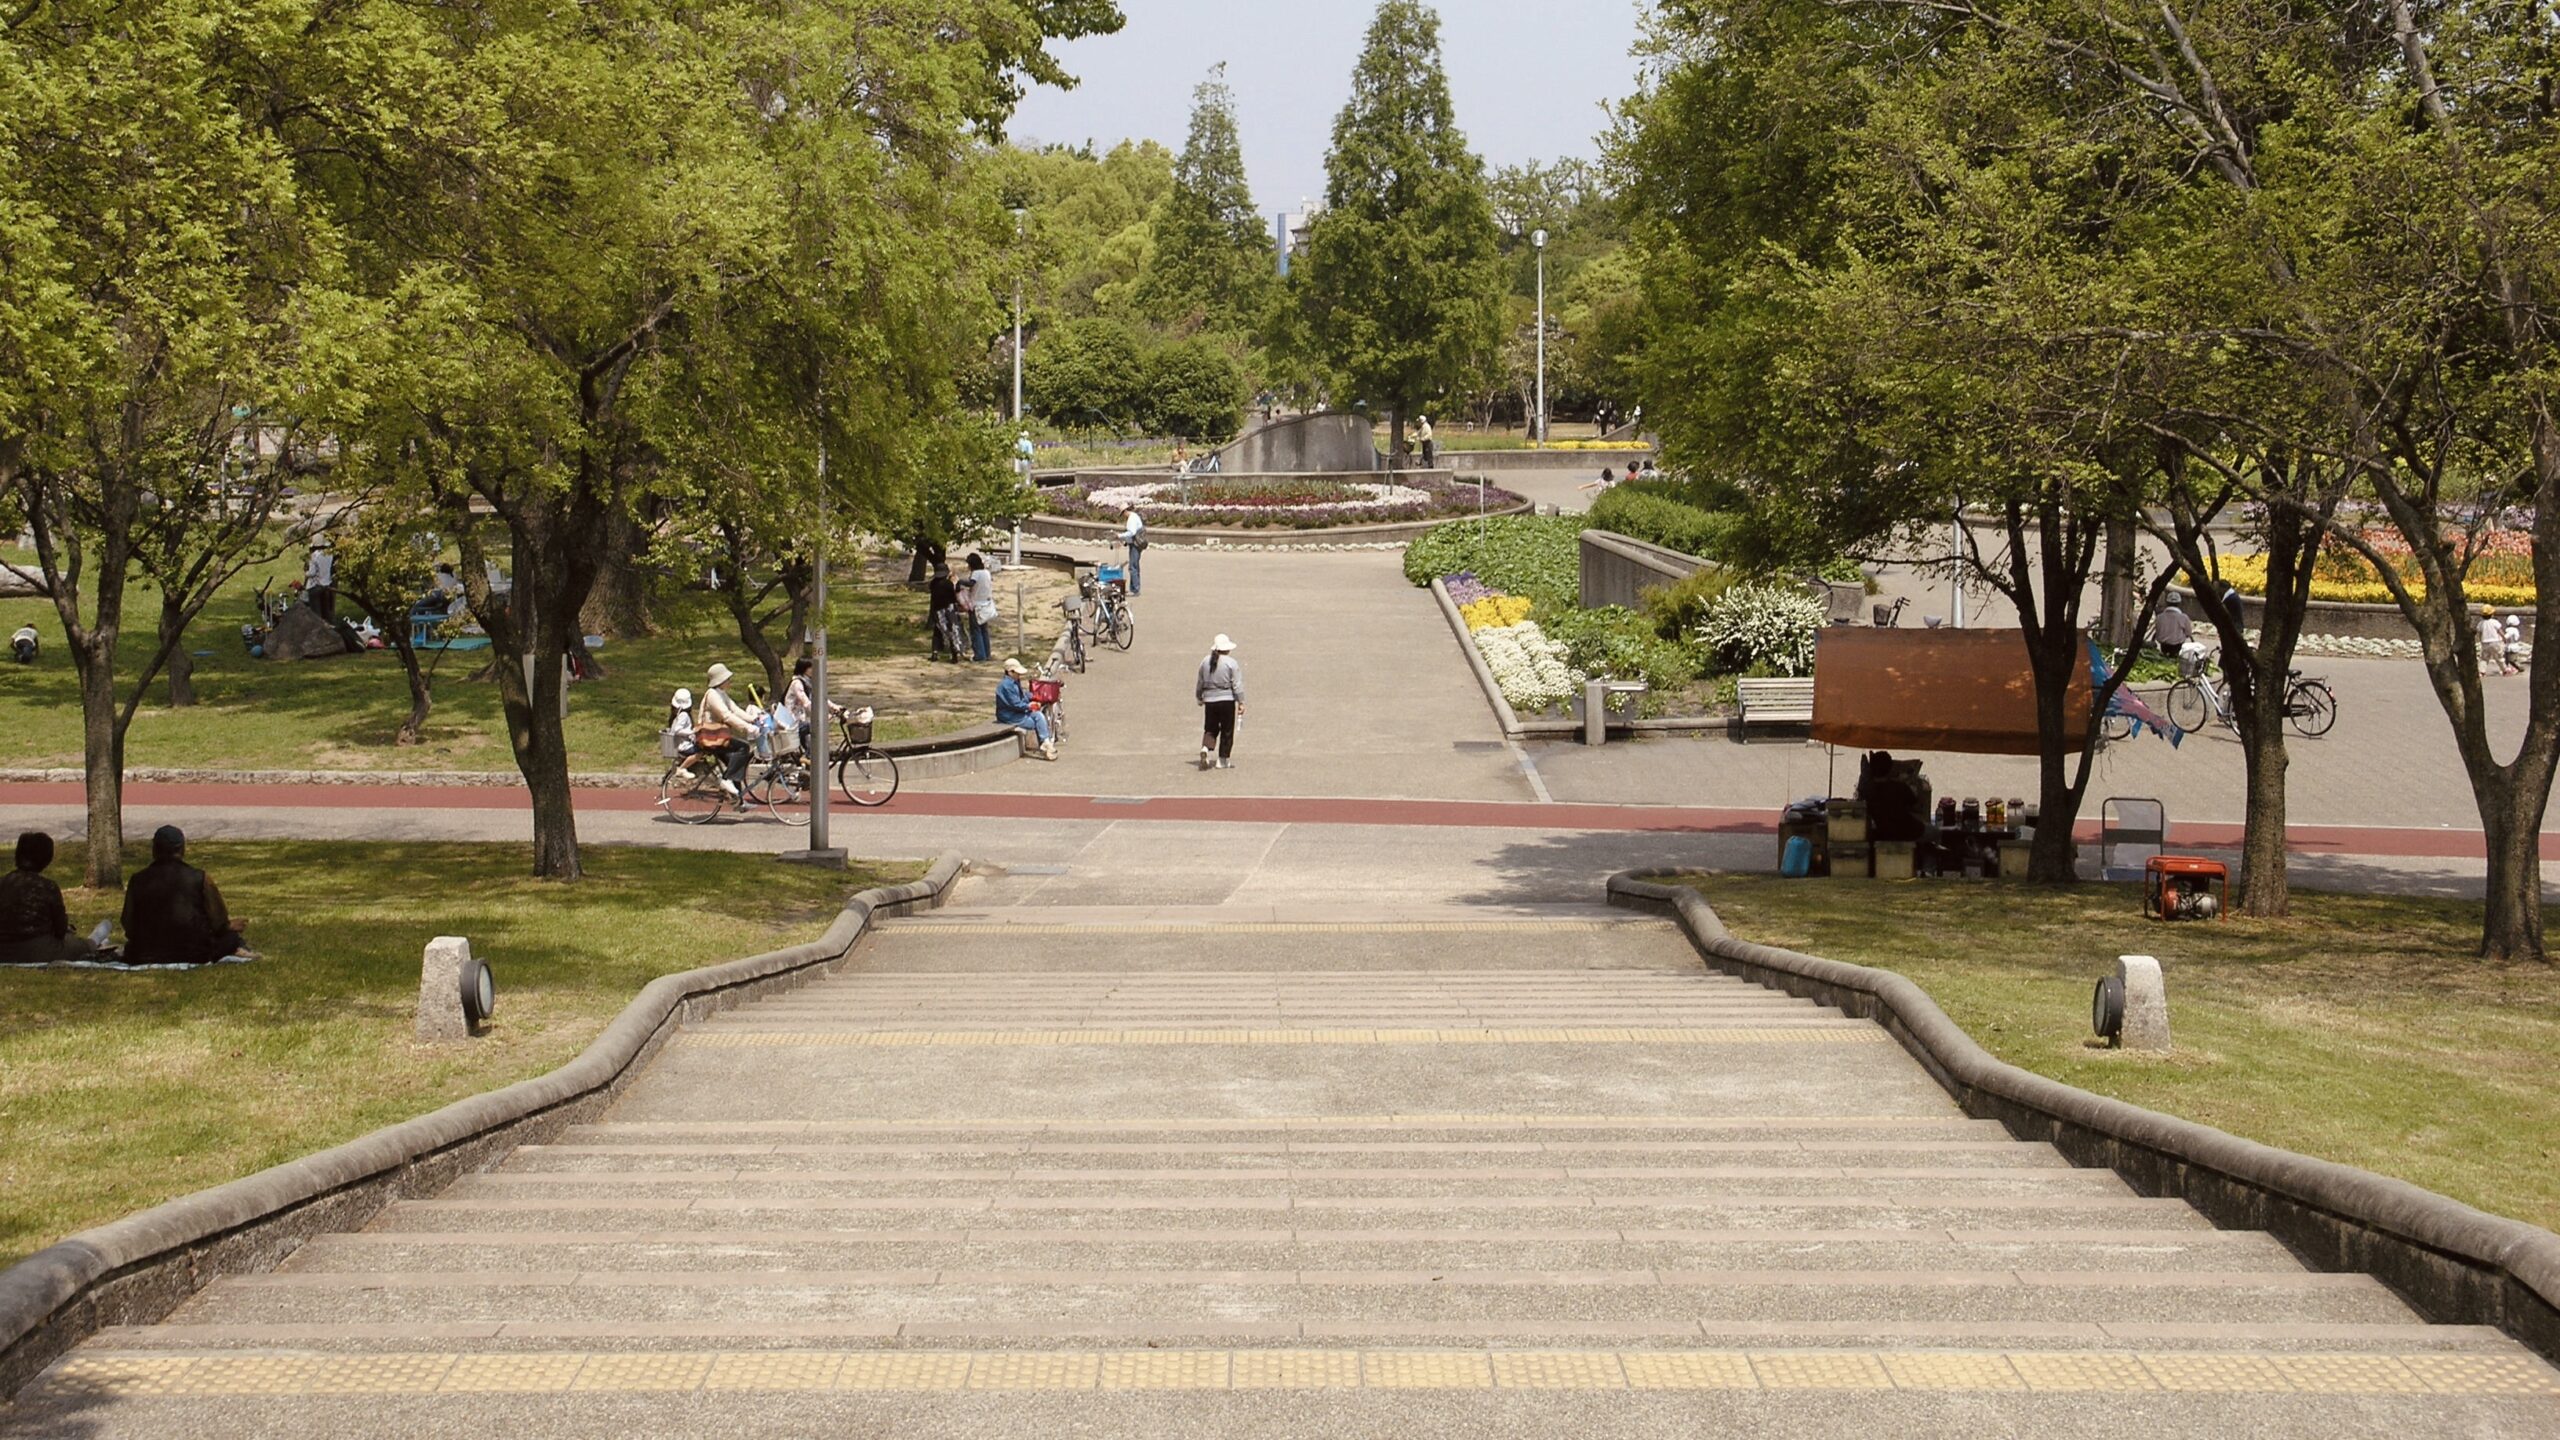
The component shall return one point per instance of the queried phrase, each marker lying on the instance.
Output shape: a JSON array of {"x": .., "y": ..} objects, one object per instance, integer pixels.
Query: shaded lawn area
[
  {"x": 121, "y": 1090},
  {"x": 2360, "y": 1030},
  {"x": 341, "y": 713}
]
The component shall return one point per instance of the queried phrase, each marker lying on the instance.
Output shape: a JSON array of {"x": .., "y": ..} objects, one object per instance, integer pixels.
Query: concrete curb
[
  {"x": 1513, "y": 727},
  {"x": 137, "y": 1269},
  {"x": 2454, "y": 1264}
]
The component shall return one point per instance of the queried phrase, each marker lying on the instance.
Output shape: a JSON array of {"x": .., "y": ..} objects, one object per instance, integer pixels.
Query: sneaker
[
  {"x": 729, "y": 788},
  {"x": 1208, "y": 757},
  {"x": 1049, "y": 751},
  {"x": 1226, "y": 764}
]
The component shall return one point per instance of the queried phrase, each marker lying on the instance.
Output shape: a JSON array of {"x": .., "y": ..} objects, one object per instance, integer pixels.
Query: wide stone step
[
  {"x": 1384, "y": 1130},
  {"x": 821, "y": 1251},
  {"x": 1062, "y": 1303},
  {"x": 1755, "y": 1209},
  {"x": 1317, "y": 1160},
  {"x": 1348, "y": 1189}
]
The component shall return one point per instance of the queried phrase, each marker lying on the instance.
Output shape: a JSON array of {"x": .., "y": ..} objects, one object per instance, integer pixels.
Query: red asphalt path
[{"x": 1466, "y": 814}]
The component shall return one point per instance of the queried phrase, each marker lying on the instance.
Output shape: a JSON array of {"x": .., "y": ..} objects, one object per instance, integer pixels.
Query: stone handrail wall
[
  {"x": 2452, "y": 1263},
  {"x": 1618, "y": 569},
  {"x": 136, "y": 1270}
]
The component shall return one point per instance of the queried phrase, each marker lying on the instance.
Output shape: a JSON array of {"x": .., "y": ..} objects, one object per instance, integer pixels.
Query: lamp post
[
  {"x": 1017, "y": 314},
  {"x": 1538, "y": 240}
]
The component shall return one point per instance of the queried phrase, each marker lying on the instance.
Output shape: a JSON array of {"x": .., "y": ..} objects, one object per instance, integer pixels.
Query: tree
[
  {"x": 1086, "y": 374},
  {"x": 1195, "y": 390},
  {"x": 385, "y": 560},
  {"x": 1213, "y": 262},
  {"x": 1403, "y": 288},
  {"x": 168, "y": 295}
]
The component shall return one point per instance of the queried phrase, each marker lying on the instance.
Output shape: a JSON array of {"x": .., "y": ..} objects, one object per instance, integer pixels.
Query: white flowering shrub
[
  {"x": 1530, "y": 668},
  {"x": 1763, "y": 625}
]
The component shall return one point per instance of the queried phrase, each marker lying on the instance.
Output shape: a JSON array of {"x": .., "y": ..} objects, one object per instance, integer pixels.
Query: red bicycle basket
[{"x": 1047, "y": 692}]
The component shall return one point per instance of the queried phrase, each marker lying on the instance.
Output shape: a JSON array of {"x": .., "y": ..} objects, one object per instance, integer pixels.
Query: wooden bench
[{"x": 1787, "y": 701}]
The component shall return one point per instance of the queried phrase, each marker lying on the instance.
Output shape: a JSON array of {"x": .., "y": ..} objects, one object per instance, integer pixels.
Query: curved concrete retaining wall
[
  {"x": 1617, "y": 569},
  {"x": 2337, "y": 617},
  {"x": 136, "y": 1270},
  {"x": 1497, "y": 462},
  {"x": 1335, "y": 443},
  {"x": 2454, "y": 1264},
  {"x": 1100, "y": 532}
]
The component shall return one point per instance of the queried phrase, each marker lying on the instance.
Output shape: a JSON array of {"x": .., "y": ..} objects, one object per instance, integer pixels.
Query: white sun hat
[
  {"x": 720, "y": 675},
  {"x": 1222, "y": 645},
  {"x": 684, "y": 699}
]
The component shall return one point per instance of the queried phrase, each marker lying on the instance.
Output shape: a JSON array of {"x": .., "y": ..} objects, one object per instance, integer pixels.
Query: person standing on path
[
  {"x": 950, "y": 630},
  {"x": 980, "y": 597},
  {"x": 1430, "y": 446},
  {"x": 1220, "y": 691},
  {"x": 2493, "y": 645},
  {"x": 1133, "y": 538}
]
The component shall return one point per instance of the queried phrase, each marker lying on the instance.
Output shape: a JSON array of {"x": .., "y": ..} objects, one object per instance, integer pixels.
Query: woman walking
[
  {"x": 1221, "y": 694},
  {"x": 980, "y": 596}
]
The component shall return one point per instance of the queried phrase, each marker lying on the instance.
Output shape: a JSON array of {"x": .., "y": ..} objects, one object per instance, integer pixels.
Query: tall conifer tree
[
  {"x": 1213, "y": 259},
  {"x": 1404, "y": 288}
]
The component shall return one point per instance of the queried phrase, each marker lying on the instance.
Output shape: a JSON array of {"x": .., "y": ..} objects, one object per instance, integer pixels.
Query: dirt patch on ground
[{"x": 917, "y": 695}]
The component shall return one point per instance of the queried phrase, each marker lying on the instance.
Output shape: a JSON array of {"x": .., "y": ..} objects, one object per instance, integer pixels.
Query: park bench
[{"x": 1775, "y": 701}]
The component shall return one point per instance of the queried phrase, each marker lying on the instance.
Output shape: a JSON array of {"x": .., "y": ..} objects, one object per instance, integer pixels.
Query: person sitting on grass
[
  {"x": 24, "y": 644},
  {"x": 1013, "y": 707},
  {"x": 34, "y": 928},
  {"x": 173, "y": 915}
]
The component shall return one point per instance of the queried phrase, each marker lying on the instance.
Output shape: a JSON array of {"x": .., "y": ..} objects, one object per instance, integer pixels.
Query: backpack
[{"x": 1138, "y": 543}]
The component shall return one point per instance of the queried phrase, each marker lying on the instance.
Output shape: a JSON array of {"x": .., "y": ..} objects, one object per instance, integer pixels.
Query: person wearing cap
[
  {"x": 2493, "y": 644},
  {"x": 1220, "y": 690},
  {"x": 1014, "y": 708},
  {"x": 721, "y": 727},
  {"x": 1133, "y": 539},
  {"x": 2173, "y": 629},
  {"x": 173, "y": 915},
  {"x": 34, "y": 927}
]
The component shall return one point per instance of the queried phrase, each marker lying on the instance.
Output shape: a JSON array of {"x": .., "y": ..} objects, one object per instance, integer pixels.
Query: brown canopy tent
[{"x": 1965, "y": 691}]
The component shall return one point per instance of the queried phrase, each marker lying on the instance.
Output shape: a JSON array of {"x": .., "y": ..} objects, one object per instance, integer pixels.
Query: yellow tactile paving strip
[
  {"x": 1843, "y": 1034},
  {"x": 182, "y": 1376}
]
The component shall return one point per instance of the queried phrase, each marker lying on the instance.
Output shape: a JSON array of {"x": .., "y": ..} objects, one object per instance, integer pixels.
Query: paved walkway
[{"x": 1174, "y": 1172}]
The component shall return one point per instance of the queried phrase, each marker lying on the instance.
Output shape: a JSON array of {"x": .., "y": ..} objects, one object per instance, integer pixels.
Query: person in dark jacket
[
  {"x": 173, "y": 915},
  {"x": 34, "y": 928},
  {"x": 950, "y": 628}
]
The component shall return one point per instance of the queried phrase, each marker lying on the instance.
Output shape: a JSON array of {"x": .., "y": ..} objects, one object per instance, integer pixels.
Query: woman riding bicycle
[{"x": 723, "y": 727}]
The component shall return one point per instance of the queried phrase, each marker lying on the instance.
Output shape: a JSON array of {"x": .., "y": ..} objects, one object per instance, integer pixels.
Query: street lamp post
[
  {"x": 1017, "y": 315},
  {"x": 1539, "y": 241}
]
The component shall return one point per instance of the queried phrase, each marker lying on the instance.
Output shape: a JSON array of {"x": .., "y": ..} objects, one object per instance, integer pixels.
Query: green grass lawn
[
  {"x": 341, "y": 713},
  {"x": 121, "y": 1090},
  {"x": 2361, "y": 1030}
]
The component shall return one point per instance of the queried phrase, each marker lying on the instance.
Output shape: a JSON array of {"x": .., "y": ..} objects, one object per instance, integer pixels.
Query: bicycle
[
  {"x": 779, "y": 779},
  {"x": 2310, "y": 706},
  {"x": 866, "y": 775},
  {"x": 1071, "y": 645},
  {"x": 1048, "y": 696},
  {"x": 1107, "y": 618}
]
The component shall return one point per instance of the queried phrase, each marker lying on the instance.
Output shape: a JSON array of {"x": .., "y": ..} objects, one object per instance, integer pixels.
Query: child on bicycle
[{"x": 679, "y": 725}]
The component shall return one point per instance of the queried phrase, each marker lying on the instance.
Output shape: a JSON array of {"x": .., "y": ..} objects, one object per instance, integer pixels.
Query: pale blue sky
[{"x": 1528, "y": 77}]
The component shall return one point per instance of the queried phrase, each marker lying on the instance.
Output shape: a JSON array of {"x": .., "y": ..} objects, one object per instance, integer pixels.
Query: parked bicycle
[
  {"x": 2310, "y": 706},
  {"x": 779, "y": 778},
  {"x": 1049, "y": 696},
  {"x": 1071, "y": 647},
  {"x": 865, "y": 774},
  {"x": 1107, "y": 615}
]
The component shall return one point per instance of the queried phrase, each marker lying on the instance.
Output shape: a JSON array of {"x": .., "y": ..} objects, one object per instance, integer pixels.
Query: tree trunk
[
  {"x": 2115, "y": 591},
  {"x": 621, "y": 597},
  {"x": 182, "y": 678},
  {"x": 542, "y": 752},
  {"x": 102, "y": 751},
  {"x": 422, "y": 696},
  {"x": 2512, "y": 919},
  {"x": 2266, "y": 884}
]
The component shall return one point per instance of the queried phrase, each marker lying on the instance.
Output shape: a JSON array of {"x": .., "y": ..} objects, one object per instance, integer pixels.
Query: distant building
[{"x": 1290, "y": 231}]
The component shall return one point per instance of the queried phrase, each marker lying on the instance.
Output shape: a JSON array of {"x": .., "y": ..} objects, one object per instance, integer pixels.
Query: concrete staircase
[{"x": 1531, "y": 1175}]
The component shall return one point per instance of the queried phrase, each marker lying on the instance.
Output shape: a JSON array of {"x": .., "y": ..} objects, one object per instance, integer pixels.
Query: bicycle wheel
[
  {"x": 1123, "y": 629},
  {"x": 2312, "y": 708},
  {"x": 690, "y": 793},
  {"x": 868, "y": 777},
  {"x": 2188, "y": 708},
  {"x": 1075, "y": 648},
  {"x": 783, "y": 789}
]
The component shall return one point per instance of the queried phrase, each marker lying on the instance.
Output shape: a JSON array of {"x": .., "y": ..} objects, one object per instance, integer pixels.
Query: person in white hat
[
  {"x": 680, "y": 721},
  {"x": 1220, "y": 691},
  {"x": 721, "y": 727},
  {"x": 1014, "y": 707}
]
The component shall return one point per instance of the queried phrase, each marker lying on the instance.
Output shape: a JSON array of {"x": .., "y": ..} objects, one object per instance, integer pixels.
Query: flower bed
[
  {"x": 2501, "y": 572},
  {"x": 1211, "y": 503},
  {"x": 1530, "y": 668}
]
